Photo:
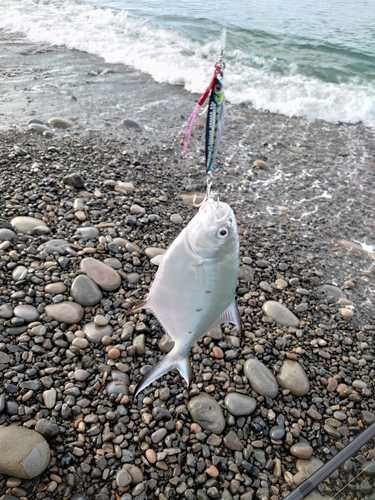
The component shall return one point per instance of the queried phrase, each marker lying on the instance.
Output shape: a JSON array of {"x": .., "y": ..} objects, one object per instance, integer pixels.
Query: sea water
[{"x": 314, "y": 58}]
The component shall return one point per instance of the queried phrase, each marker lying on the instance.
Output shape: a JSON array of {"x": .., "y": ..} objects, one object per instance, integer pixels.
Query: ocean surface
[{"x": 314, "y": 58}]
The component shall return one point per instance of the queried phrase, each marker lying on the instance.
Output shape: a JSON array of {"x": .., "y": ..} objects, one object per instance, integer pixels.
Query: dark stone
[
  {"x": 74, "y": 180},
  {"x": 47, "y": 428},
  {"x": 160, "y": 413}
]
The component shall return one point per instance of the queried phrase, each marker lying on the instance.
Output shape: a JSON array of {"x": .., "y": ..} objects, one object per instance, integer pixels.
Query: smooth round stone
[
  {"x": 206, "y": 412},
  {"x": 261, "y": 378},
  {"x": 137, "y": 209},
  {"x": 277, "y": 432},
  {"x": 26, "y": 224},
  {"x": 238, "y": 404},
  {"x": 65, "y": 312},
  {"x": 24, "y": 452},
  {"x": 104, "y": 276},
  {"x": 27, "y": 312},
  {"x": 19, "y": 273},
  {"x": 6, "y": 234},
  {"x": 4, "y": 358},
  {"x": 6, "y": 311},
  {"x": 332, "y": 384},
  {"x": 293, "y": 377},
  {"x": 346, "y": 313},
  {"x": 261, "y": 164},
  {"x": 301, "y": 450},
  {"x": 128, "y": 187},
  {"x": 60, "y": 123},
  {"x": 123, "y": 478},
  {"x": 340, "y": 415},
  {"x": 280, "y": 313},
  {"x": 85, "y": 291},
  {"x": 49, "y": 398},
  {"x": 54, "y": 245},
  {"x": 309, "y": 466},
  {"x": 57, "y": 287},
  {"x": 130, "y": 124},
  {"x": 332, "y": 291},
  {"x": 101, "y": 320},
  {"x": 41, "y": 129},
  {"x": 266, "y": 287},
  {"x": 41, "y": 230},
  {"x": 166, "y": 344},
  {"x": 80, "y": 343},
  {"x": 88, "y": 232},
  {"x": 78, "y": 204},
  {"x": 113, "y": 262},
  {"x": 81, "y": 375},
  {"x": 95, "y": 333},
  {"x": 176, "y": 219},
  {"x": 152, "y": 252},
  {"x": 119, "y": 383}
]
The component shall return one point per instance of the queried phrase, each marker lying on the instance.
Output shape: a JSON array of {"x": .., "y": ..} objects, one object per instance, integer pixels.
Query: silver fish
[{"x": 195, "y": 285}]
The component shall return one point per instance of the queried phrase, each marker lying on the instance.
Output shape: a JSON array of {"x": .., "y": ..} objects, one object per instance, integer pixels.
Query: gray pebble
[{"x": 239, "y": 404}]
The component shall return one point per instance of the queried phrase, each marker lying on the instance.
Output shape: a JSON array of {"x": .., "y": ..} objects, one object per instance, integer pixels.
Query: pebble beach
[{"x": 94, "y": 191}]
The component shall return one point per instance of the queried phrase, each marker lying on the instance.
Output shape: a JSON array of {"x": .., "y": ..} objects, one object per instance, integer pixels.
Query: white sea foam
[{"x": 171, "y": 57}]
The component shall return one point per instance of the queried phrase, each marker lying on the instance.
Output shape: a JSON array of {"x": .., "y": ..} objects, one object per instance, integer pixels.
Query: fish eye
[
  {"x": 217, "y": 88},
  {"x": 222, "y": 233}
]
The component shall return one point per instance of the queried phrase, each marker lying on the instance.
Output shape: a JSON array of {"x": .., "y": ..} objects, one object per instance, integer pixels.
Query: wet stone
[
  {"x": 261, "y": 378},
  {"x": 280, "y": 313},
  {"x": 277, "y": 432},
  {"x": 85, "y": 291},
  {"x": 239, "y": 404}
]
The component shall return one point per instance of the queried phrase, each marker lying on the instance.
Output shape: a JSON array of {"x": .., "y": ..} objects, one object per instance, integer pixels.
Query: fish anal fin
[{"x": 169, "y": 362}]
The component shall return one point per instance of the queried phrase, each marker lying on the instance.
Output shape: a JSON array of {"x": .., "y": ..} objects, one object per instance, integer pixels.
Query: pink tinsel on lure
[{"x": 190, "y": 122}]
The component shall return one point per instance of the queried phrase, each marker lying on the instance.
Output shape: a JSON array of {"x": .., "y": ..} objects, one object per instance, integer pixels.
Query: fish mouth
[{"x": 220, "y": 211}]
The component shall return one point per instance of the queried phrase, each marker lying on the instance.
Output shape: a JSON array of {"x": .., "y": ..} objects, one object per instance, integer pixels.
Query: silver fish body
[{"x": 195, "y": 284}]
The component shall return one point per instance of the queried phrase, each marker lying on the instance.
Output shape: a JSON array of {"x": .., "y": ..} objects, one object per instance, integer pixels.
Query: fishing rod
[{"x": 326, "y": 470}]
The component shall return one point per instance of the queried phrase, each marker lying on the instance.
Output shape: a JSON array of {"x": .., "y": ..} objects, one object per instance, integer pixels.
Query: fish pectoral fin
[
  {"x": 230, "y": 315},
  {"x": 157, "y": 260},
  {"x": 169, "y": 362},
  {"x": 142, "y": 305}
]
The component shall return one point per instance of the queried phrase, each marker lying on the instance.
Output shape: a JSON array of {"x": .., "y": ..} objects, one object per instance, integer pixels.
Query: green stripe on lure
[{"x": 215, "y": 122}]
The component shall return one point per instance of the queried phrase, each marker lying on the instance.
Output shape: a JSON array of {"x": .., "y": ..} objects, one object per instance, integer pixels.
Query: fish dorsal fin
[
  {"x": 230, "y": 315},
  {"x": 157, "y": 260}
]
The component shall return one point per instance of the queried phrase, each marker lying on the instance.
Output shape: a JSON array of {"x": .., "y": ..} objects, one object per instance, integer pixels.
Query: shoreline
[{"x": 300, "y": 219}]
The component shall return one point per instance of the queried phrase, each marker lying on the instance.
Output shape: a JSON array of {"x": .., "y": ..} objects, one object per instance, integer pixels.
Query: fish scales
[{"x": 195, "y": 284}]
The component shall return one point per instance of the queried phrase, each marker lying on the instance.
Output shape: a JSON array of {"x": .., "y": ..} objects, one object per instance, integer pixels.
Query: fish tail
[{"x": 169, "y": 362}]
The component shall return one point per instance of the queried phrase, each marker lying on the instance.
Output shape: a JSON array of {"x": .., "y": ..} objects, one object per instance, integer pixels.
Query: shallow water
[{"x": 307, "y": 59}]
